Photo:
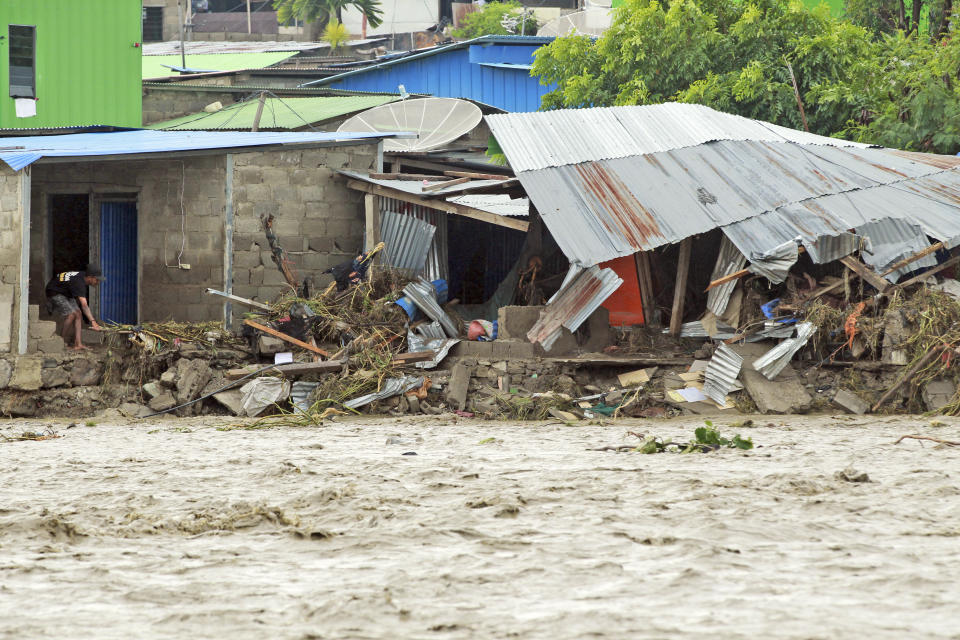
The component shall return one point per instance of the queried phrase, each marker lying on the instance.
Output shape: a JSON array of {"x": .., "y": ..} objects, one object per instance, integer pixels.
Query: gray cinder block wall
[
  {"x": 166, "y": 291},
  {"x": 318, "y": 220}
]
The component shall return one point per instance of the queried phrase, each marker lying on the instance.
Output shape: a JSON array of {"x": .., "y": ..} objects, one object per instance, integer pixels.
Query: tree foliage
[
  {"x": 897, "y": 90},
  {"x": 497, "y": 18},
  {"x": 323, "y": 10}
]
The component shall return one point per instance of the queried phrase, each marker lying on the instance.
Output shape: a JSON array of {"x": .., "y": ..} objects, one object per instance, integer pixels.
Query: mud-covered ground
[{"x": 178, "y": 529}]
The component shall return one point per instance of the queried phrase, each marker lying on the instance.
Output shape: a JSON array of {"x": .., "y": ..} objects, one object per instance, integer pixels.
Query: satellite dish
[
  {"x": 437, "y": 121},
  {"x": 589, "y": 22}
]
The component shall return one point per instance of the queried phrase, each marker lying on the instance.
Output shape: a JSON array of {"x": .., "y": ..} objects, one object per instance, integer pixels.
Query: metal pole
[
  {"x": 183, "y": 53},
  {"x": 249, "y": 26},
  {"x": 256, "y": 118}
]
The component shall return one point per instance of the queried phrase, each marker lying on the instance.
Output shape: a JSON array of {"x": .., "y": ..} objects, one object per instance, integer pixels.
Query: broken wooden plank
[
  {"x": 929, "y": 272},
  {"x": 413, "y": 357},
  {"x": 475, "y": 176},
  {"x": 680, "y": 286},
  {"x": 864, "y": 272},
  {"x": 913, "y": 258},
  {"x": 302, "y": 368},
  {"x": 285, "y": 337},
  {"x": 238, "y": 299},
  {"x": 436, "y": 186}
]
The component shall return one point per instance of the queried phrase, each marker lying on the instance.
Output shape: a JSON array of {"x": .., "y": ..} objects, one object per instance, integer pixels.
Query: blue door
[{"x": 118, "y": 259}]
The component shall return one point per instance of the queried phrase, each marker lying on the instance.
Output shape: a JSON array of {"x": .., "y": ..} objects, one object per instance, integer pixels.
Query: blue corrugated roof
[
  {"x": 19, "y": 152},
  {"x": 490, "y": 69}
]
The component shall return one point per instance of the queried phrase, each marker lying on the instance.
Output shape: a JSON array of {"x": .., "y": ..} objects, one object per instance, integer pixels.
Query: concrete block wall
[
  {"x": 160, "y": 104},
  {"x": 10, "y": 217},
  {"x": 166, "y": 291},
  {"x": 318, "y": 220}
]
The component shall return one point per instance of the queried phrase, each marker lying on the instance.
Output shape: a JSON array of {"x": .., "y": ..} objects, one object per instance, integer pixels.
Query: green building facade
[{"x": 77, "y": 61}]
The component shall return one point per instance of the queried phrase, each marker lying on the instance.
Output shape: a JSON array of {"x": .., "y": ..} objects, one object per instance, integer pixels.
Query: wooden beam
[
  {"x": 910, "y": 259},
  {"x": 441, "y": 205},
  {"x": 238, "y": 299},
  {"x": 302, "y": 368},
  {"x": 371, "y": 221},
  {"x": 285, "y": 337},
  {"x": 866, "y": 273},
  {"x": 475, "y": 176},
  {"x": 645, "y": 278},
  {"x": 405, "y": 176},
  {"x": 680, "y": 286},
  {"x": 411, "y": 358},
  {"x": 436, "y": 186},
  {"x": 929, "y": 272}
]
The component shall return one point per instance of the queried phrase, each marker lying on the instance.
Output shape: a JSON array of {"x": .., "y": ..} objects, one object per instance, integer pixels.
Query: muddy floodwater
[{"x": 187, "y": 529}]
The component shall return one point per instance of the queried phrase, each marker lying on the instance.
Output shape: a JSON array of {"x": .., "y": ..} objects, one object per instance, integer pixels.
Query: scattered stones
[
  {"x": 152, "y": 389},
  {"x": 268, "y": 345},
  {"x": 163, "y": 402},
  {"x": 232, "y": 400},
  {"x": 192, "y": 377},
  {"x": 54, "y": 377},
  {"x": 457, "y": 388},
  {"x": 6, "y": 370},
  {"x": 938, "y": 393},
  {"x": 27, "y": 374},
  {"x": 85, "y": 373},
  {"x": 134, "y": 409},
  {"x": 851, "y": 402},
  {"x": 168, "y": 379}
]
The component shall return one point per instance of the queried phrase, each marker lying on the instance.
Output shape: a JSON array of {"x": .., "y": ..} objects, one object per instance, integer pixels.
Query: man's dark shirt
[{"x": 69, "y": 283}]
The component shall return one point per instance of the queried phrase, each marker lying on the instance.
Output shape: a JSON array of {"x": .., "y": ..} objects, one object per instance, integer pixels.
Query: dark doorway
[
  {"x": 152, "y": 24},
  {"x": 69, "y": 232}
]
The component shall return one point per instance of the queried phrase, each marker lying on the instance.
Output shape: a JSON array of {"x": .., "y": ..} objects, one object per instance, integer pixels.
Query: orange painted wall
[{"x": 624, "y": 305}]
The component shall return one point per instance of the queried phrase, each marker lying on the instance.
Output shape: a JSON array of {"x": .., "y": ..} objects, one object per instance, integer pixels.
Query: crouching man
[{"x": 67, "y": 297}]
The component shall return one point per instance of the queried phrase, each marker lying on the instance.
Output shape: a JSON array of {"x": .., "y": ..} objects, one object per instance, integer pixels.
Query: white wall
[{"x": 399, "y": 16}]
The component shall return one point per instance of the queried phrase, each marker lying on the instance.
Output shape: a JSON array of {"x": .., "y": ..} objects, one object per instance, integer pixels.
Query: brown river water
[{"x": 178, "y": 529}]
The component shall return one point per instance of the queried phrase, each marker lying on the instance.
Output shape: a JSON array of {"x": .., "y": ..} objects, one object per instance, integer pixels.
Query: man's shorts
[{"x": 62, "y": 305}]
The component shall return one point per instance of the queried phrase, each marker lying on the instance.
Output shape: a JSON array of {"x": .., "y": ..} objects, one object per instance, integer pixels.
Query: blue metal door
[{"x": 118, "y": 258}]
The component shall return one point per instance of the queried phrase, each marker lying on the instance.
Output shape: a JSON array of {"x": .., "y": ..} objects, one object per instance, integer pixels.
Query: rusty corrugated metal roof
[
  {"x": 580, "y": 296},
  {"x": 570, "y": 136}
]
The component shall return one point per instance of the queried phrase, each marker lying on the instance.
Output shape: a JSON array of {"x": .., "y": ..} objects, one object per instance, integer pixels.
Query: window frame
[{"x": 19, "y": 90}]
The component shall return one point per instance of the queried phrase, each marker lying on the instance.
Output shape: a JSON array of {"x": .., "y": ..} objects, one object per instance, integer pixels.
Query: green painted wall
[{"x": 87, "y": 67}]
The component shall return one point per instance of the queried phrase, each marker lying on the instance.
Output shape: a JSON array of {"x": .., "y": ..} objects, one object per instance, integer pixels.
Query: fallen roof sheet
[
  {"x": 499, "y": 203},
  {"x": 278, "y": 113},
  {"x": 776, "y": 359},
  {"x": 570, "y": 136},
  {"x": 24, "y": 151},
  {"x": 580, "y": 296},
  {"x": 415, "y": 187},
  {"x": 892, "y": 240},
  {"x": 721, "y": 374},
  {"x": 163, "y": 66}
]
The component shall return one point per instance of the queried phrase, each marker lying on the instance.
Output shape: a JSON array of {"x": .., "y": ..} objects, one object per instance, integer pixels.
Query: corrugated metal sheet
[
  {"x": 721, "y": 374},
  {"x": 160, "y": 66},
  {"x": 118, "y": 259},
  {"x": 437, "y": 262},
  {"x": 773, "y": 362},
  {"x": 415, "y": 187},
  {"x": 391, "y": 387},
  {"x": 300, "y": 392},
  {"x": 571, "y": 136},
  {"x": 278, "y": 113},
  {"x": 602, "y": 210},
  {"x": 775, "y": 263},
  {"x": 500, "y": 204},
  {"x": 407, "y": 241},
  {"x": 573, "y": 304},
  {"x": 892, "y": 240},
  {"x": 423, "y": 295},
  {"x": 729, "y": 261},
  {"x": 81, "y": 145},
  {"x": 459, "y": 70}
]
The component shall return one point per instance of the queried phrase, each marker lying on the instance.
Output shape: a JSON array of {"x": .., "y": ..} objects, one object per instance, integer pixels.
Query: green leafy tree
[
  {"x": 497, "y": 18},
  {"x": 733, "y": 56},
  {"x": 927, "y": 18},
  {"x": 321, "y": 11}
]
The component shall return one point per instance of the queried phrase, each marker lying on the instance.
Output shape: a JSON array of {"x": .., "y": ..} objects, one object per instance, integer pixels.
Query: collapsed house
[{"x": 656, "y": 182}]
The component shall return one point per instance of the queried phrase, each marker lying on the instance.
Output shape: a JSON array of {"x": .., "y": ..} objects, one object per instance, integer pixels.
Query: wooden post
[
  {"x": 249, "y": 25},
  {"x": 645, "y": 280},
  {"x": 372, "y": 226},
  {"x": 256, "y": 118},
  {"x": 680, "y": 287}
]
